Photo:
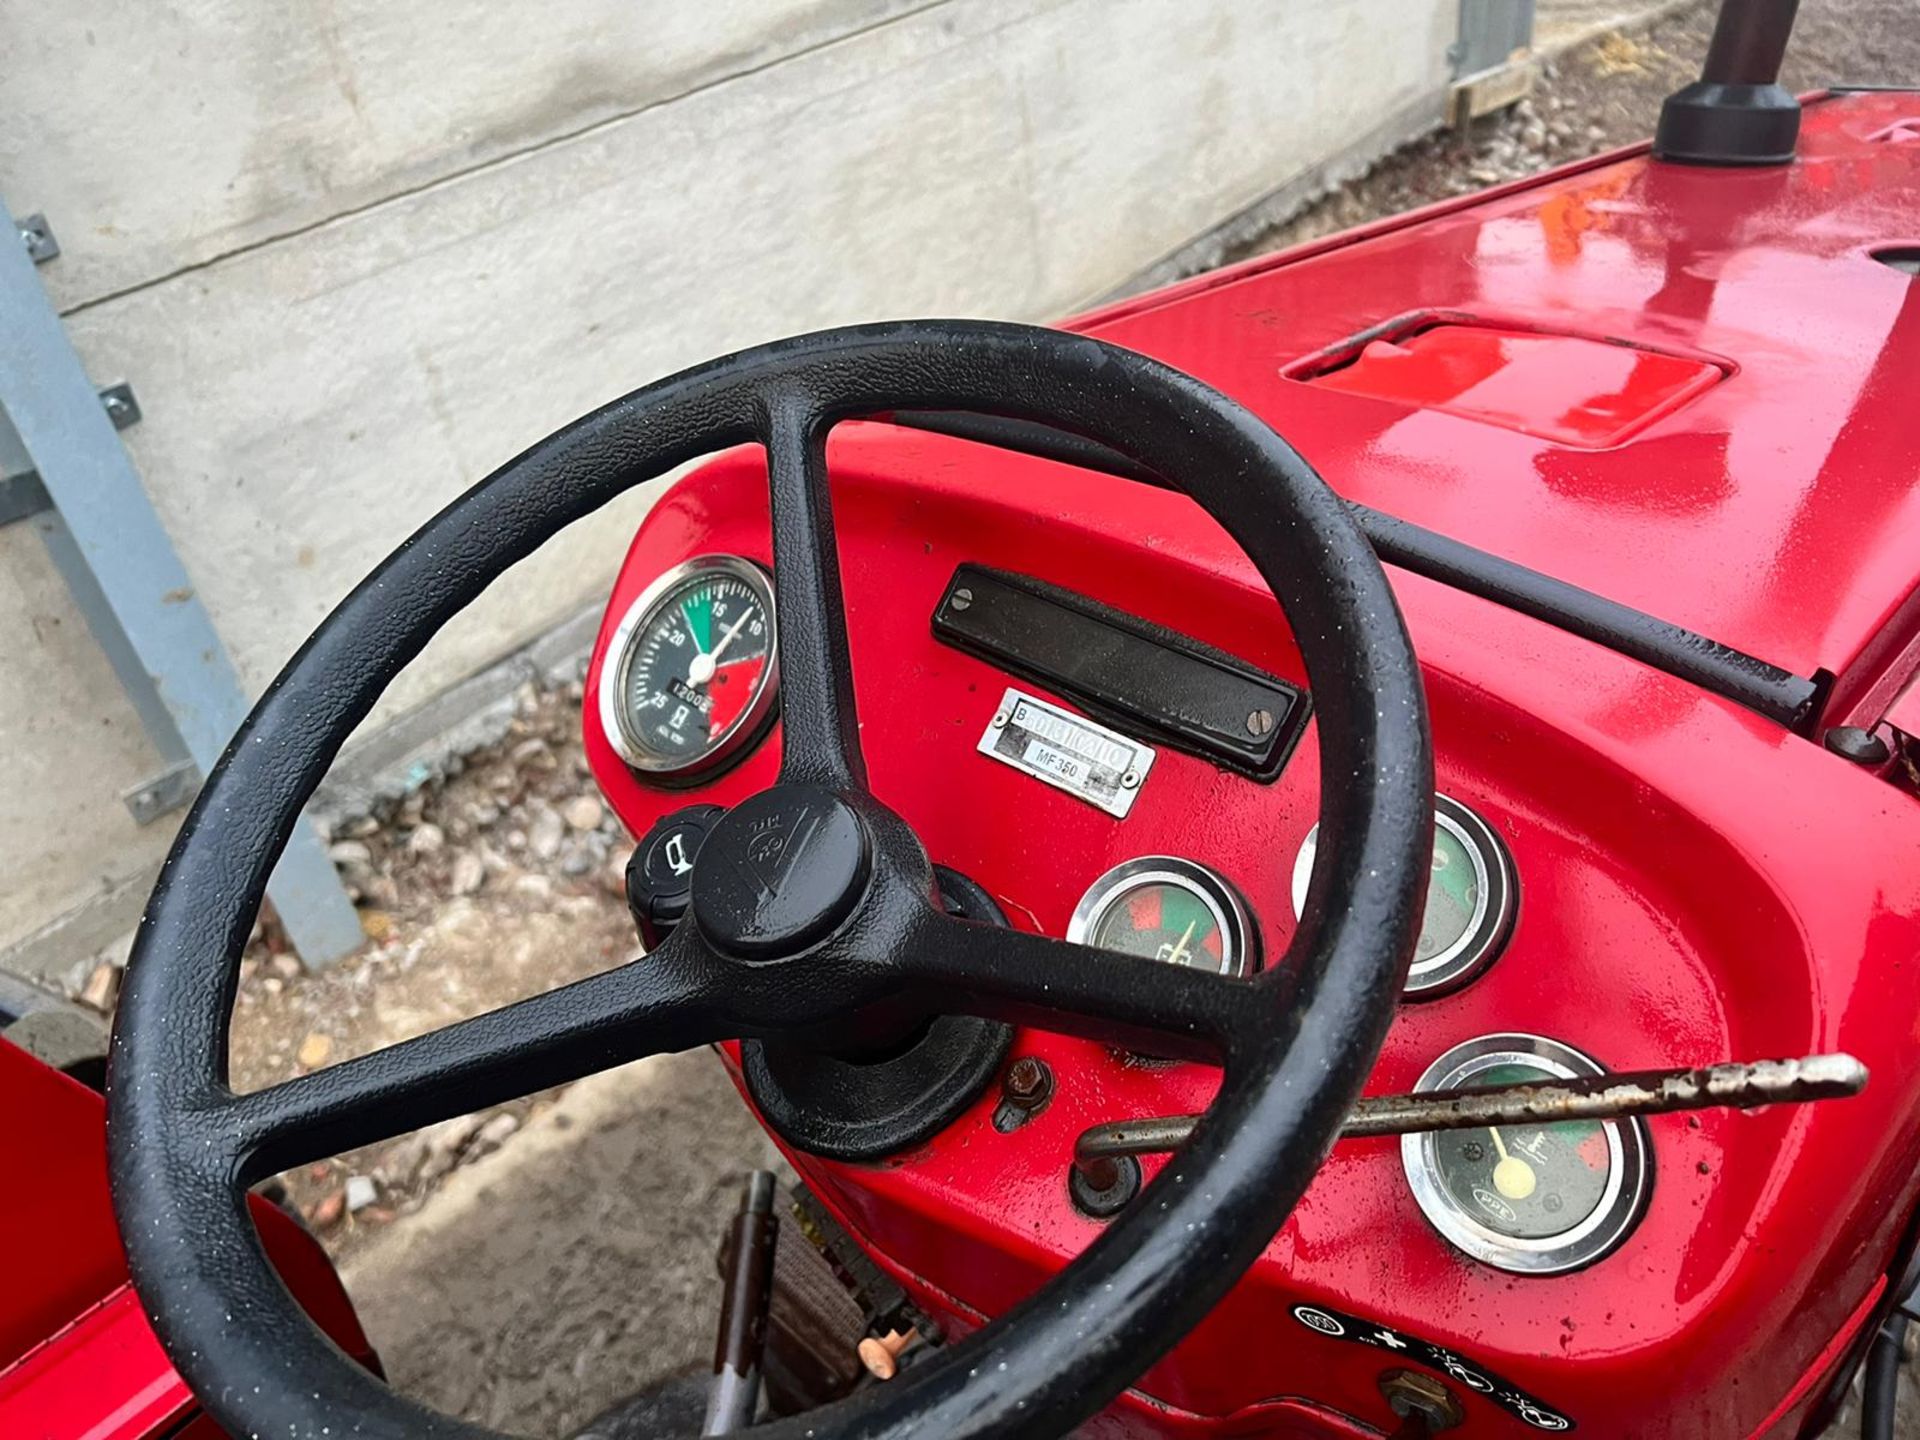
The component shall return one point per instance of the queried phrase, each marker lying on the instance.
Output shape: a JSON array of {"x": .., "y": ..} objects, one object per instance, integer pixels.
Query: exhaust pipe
[{"x": 1736, "y": 113}]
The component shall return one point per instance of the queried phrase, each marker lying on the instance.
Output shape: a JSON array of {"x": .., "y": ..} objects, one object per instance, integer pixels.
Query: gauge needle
[
  {"x": 1512, "y": 1177},
  {"x": 1178, "y": 957},
  {"x": 727, "y": 639},
  {"x": 700, "y": 669}
]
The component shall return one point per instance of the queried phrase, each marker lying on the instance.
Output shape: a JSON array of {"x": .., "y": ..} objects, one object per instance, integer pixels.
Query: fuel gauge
[{"x": 1168, "y": 909}]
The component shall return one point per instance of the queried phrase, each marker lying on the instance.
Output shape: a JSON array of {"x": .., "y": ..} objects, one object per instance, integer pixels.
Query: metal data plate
[{"x": 1068, "y": 751}]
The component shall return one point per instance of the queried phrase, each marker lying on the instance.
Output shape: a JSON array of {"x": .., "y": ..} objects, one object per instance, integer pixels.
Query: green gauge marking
[{"x": 698, "y": 608}]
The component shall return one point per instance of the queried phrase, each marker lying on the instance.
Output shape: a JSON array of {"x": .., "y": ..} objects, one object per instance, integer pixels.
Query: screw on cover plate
[
  {"x": 1260, "y": 722},
  {"x": 962, "y": 598},
  {"x": 1000, "y": 721},
  {"x": 1130, "y": 780},
  {"x": 1863, "y": 747},
  {"x": 1421, "y": 1399}
]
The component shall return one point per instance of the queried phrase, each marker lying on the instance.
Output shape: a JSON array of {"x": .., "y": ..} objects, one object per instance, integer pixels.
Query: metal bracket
[
  {"x": 127, "y": 580},
  {"x": 1491, "y": 33},
  {"x": 121, "y": 405},
  {"x": 39, "y": 239},
  {"x": 1492, "y": 64},
  {"x": 164, "y": 793},
  {"x": 22, "y": 496}
]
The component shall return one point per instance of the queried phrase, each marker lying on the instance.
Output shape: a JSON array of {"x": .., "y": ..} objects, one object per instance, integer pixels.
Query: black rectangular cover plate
[{"x": 1141, "y": 678}]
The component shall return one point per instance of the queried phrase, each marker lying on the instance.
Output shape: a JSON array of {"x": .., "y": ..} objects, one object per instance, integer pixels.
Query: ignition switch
[
  {"x": 1424, "y": 1403},
  {"x": 660, "y": 874}
]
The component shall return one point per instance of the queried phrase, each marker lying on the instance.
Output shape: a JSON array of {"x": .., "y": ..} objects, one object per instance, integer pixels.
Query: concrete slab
[{"x": 574, "y": 1266}]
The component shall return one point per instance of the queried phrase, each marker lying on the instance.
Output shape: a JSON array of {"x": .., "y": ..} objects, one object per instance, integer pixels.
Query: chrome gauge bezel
[
  {"x": 1239, "y": 938},
  {"x": 615, "y": 673},
  {"x": 1629, "y": 1158},
  {"x": 1480, "y": 944}
]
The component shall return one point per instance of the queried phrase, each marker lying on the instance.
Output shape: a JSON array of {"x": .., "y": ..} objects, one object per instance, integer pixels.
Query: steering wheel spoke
[
  {"x": 820, "y": 734},
  {"x": 1126, "y": 1000},
  {"x": 667, "y": 1000}
]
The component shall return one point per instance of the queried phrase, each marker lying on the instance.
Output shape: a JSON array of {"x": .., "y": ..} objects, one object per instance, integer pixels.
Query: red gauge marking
[
  {"x": 731, "y": 690},
  {"x": 1592, "y": 1149},
  {"x": 1143, "y": 909}
]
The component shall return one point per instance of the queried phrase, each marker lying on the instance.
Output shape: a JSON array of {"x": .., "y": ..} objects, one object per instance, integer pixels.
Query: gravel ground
[
  {"x": 484, "y": 886},
  {"x": 527, "y": 1265}
]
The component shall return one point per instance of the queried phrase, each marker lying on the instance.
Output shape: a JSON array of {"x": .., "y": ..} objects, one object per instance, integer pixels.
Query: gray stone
[
  {"x": 426, "y": 839},
  {"x": 493, "y": 1134},
  {"x": 469, "y": 873},
  {"x": 545, "y": 833}
]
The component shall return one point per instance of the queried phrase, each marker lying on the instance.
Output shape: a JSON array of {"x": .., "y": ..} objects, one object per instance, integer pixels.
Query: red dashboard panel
[
  {"x": 1671, "y": 912},
  {"x": 1695, "y": 883}
]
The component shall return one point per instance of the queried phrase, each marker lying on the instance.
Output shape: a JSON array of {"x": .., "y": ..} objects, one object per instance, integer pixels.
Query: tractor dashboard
[{"x": 1641, "y": 444}]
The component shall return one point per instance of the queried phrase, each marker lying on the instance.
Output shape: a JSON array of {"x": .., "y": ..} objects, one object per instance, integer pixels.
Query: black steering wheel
[{"x": 851, "y": 928}]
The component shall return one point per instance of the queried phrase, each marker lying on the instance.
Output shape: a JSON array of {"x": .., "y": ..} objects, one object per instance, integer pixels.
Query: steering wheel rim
[{"x": 183, "y": 1147}]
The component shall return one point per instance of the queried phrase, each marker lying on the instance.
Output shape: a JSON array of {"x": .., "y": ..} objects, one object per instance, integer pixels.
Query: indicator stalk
[{"x": 1744, "y": 1085}]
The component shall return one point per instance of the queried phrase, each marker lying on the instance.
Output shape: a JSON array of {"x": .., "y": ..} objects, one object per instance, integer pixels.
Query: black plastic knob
[
  {"x": 660, "y": 873},
  {"x": 1863, "y": 747},
  {"x": 783, "y": 869}
]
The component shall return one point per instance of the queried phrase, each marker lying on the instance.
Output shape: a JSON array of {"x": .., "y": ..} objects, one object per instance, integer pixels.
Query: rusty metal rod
[
  {"x": 1598, "y": 1097},
  {"x": 745, "y": 1304}
]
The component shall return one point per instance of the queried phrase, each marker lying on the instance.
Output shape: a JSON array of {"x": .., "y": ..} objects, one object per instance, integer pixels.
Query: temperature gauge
[
  {"x": 1470, "y": 899},
  {"x": 1534, "y": 1199},
  {"x": 691, "y": 676},
  {"x": 1171, "y": 910}
]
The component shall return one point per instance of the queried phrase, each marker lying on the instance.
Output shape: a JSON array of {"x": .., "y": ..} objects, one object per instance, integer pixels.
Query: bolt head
[
  {"x": 1130, "y": 780},
  {"x": 1027, "y": 1078},
  {"x": 962, "y": 598},
  {"x": 1260, "y": 722}
]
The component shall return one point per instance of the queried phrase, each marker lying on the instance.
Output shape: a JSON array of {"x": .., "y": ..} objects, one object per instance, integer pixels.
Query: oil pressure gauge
[
  {"x": 1470, "y": 899},
  {"x": 1168, "y": 909},
  {"x": 693, "y": 671},
  {"x": 1533, "y": 1199}
]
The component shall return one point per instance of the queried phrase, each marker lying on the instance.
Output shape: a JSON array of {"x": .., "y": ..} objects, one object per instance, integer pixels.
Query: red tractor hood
[{"x": 1693, "y": 391}]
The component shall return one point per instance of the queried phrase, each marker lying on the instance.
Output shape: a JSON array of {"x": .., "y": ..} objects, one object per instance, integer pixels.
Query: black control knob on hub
[{"x": 660, "y": 873}]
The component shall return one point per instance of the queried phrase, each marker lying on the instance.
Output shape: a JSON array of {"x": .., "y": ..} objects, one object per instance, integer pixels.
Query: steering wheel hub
[{"x": 780, "y": 872}]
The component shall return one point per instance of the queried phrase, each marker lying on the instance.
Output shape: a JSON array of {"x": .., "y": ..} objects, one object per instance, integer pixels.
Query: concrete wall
[{"x": 352, "y": 255}]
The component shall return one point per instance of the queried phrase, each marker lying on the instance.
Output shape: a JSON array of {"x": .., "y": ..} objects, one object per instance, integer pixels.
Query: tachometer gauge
[
  {"x": 1168, "y": 909},
  {"x": 1470, "y": 898},
  {"x": 692, "y": 673},
  {"x": 1533, "y": 1199}
]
